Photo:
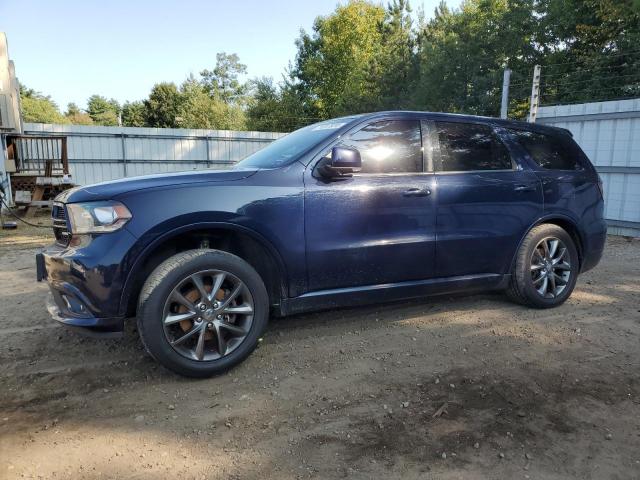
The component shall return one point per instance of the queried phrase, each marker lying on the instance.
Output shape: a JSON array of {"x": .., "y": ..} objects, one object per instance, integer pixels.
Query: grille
[{"x": 60, "y": 225}]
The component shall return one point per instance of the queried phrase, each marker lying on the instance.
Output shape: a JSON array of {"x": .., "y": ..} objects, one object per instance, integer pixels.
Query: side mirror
[
  {"x": 346, "y": 158},
  {"x": 343, "y": 162}
]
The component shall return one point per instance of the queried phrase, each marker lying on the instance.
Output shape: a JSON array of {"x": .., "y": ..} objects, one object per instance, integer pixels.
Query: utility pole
[
  {"x": 504, "y": 106},
  {"x": 535, "y": 95}
]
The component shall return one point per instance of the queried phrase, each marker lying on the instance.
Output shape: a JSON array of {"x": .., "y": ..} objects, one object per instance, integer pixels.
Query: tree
[
  {"x": 333, "y": 62},
  {"x": 133, "y": 114},
  {"x": 75, "y": 116},
  {"x": 38, "y": 108},
  {"x": 103, "y": 111},
  {"x": 394, "y": 70},
  {"x": 72, "y": 109},
  {"x": 264, "y": 105},
  {"x": 163, "y": 108},
  {"x": 190, "y": 106},
  {"x": 462, "y": 54},
  {"x": 198, "y": 109},
  {"x": 589, "y": 49},
  {"x": 276, "y": 108},
  {"x": 222, "y": 83}
]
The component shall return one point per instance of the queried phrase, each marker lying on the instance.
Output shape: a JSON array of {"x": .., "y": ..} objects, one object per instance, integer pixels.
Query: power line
[
  {"x": 603, "y": 56},
  {"x": 599, "y": 83},
  {"x": 586, "y": 69},
  {"x": 568, "y": 76},
  {"x": 593, "y": 80},
  {"x": 523, "y": 80}
]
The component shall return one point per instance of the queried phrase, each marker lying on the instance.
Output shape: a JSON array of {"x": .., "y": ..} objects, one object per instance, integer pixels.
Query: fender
[
  {"x": 151, "y": 247},
  {"x": 543, "y": 219}
]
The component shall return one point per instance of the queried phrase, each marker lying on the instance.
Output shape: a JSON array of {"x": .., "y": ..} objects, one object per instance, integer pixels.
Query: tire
[
  {"x": 157, "y": 312},
  {"x": 526, "y": 275}
]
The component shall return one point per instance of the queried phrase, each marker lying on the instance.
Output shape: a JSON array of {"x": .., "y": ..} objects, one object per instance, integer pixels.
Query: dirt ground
[{"x": 446, "y": 388}]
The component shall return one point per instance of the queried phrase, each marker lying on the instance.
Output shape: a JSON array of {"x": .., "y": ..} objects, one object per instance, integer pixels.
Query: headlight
[{"x": 97, "y": 217}]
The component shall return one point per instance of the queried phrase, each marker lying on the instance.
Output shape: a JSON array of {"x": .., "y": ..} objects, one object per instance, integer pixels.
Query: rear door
[
  {"x": 377, "y": 226},
  {"x": 569, "y": 181},
  {"x": 486, "y": 199}
]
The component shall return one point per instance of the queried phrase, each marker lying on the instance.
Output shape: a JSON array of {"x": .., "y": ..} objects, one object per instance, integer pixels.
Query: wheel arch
[
  {"x": 244, "y": 242},
  {"x": 566, "y": 223}
]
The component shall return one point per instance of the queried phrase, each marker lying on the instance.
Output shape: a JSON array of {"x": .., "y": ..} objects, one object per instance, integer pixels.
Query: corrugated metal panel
[
  {"x": 609, "y": 133},
  {"x": 99, "y": 153}
]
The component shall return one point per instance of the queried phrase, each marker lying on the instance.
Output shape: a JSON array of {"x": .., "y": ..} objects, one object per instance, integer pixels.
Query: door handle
[
  {"x": 525, "y": 188},
  {"x": 417, "y": 192}
]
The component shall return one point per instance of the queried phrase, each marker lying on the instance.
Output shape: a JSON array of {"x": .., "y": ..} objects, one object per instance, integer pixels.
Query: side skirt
[{"x": 371, "y": 294}]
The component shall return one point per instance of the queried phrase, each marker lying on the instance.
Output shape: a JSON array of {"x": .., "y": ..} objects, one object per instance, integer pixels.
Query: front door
[
  {"x": 486, "y": 200},
  {"x": 377, "y": 226}
]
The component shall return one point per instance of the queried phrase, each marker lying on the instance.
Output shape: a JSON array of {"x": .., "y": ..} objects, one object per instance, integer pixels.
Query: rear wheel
[
  {"x": 201, "y": 312},
  {"x": 546, "y": 268}
]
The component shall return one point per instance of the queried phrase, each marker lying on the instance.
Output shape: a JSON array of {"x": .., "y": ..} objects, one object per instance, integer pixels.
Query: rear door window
[
  {"x": 549, "y": 151},
  {"x": 469, "y": 147}
]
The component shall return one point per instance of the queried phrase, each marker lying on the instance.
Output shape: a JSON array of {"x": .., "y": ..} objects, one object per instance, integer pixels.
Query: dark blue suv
[{"x": 355, "y": 210}]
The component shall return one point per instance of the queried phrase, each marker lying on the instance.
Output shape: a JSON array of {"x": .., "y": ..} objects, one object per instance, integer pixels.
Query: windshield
[{"x": 290, "y": 147}]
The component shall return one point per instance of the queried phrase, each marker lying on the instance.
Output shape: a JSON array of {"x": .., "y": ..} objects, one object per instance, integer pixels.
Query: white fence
[
  {"x": 97, "y": 154},
  {"x": 609, "y": 133}
]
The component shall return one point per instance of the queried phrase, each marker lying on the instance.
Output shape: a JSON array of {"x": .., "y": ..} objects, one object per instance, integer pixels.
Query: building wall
[{"x": 609, "y": 133}]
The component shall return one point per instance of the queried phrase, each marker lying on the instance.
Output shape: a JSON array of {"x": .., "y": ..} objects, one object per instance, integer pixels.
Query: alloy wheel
[
  {"x": 207, "y": 315},
  {"x": 550, "y": 267}
]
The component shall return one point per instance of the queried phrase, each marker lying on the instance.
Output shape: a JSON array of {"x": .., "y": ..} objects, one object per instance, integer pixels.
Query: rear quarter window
[{"x": 552, "y": 152}]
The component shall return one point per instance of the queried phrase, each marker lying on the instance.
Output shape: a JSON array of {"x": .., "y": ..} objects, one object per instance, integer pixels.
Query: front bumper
[
  {"x": 90, "y": 326},
  {"x": 86, "y": 283}
]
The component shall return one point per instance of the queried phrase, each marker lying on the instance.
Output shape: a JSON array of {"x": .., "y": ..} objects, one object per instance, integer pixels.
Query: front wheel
[
  {"x": 546, "y": 268},
  {"x": 202, "y": 312}
]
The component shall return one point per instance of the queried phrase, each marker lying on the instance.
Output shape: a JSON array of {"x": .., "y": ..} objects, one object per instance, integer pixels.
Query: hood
[{"x": 110, "y": 190}]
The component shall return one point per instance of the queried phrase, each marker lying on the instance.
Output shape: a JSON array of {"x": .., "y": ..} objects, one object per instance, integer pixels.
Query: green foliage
[
  {"x": 360, "y": 58},
  {"x": 38, "y": 108},
  {"x": 394, "y": 70},
  {"x": 265, "y": 101},
  {"x": 72, "y": 109},
  {"x": 103, "y": 111},
  {"x": 454, "y": 62},
  {"x": 199, "y": 109},
  {"x": 162, "y": 108},
  {"x": 273, "y": 108},
  {"x": 463, "y": 53},
  {"x": 590, "y": 48},
  {"x": 222, "y": 83},
  {"x": 190, "y": 106},
  {"x": 76, "y": 116},
  {"x": 133, "y": 114},
  {"x": 333, "y": 61}
]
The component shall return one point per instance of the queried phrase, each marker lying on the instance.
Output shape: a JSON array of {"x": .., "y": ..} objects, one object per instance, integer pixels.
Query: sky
[{"x": 72, "y": 49}]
